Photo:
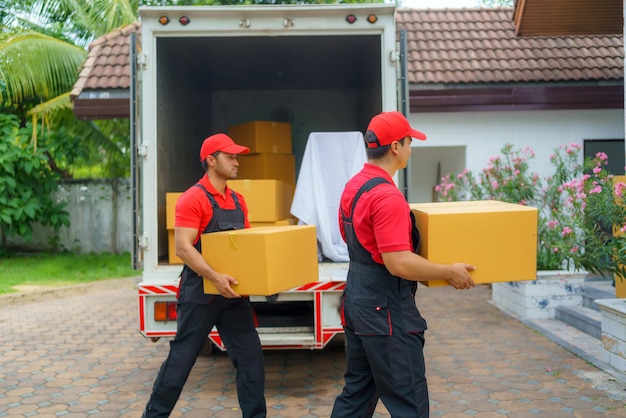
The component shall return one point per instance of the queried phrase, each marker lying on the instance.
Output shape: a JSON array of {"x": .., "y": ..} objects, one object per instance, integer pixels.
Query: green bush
[{"x": 26, "y": 183}]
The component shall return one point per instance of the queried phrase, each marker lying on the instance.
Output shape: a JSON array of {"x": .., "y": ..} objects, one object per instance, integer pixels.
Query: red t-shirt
[
  {"x": 194, "y": 210},
  {"x": 381, "y": 218}
]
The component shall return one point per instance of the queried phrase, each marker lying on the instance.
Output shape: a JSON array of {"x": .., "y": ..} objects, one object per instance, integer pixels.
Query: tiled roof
[
  {"x": 107, "y": 66},
  {"x": 451, "y": 46},
  {"x": 480, "y": 46}
]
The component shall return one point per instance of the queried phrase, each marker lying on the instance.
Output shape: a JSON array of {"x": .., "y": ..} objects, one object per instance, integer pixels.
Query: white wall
[{"x": 468, "y": 139}]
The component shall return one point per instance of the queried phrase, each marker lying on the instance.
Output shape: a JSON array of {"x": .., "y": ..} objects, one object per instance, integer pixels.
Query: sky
[{"x": 439, "y": 4}]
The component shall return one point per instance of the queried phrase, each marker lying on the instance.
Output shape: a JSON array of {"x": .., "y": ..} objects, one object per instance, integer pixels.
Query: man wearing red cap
[
  {"x": 211, "y": 206},
  {"x": 383, "y": 328}
]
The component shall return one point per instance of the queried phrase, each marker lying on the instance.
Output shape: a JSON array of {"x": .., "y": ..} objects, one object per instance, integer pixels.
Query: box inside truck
[{"x": 323, "y": 83}]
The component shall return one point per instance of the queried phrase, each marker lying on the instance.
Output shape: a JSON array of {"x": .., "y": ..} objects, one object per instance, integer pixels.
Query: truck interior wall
[
  {"x": 183, "y": 121},
  {"x": 308, "y": 110}
]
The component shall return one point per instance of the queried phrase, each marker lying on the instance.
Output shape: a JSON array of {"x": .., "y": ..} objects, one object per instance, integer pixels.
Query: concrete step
[
  {"x": 597, "y": 289},
  {"x": 583, "y": 318}
]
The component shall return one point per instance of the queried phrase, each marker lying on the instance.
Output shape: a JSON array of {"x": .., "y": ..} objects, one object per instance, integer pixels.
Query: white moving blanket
[{"x": 330, "y": 159}]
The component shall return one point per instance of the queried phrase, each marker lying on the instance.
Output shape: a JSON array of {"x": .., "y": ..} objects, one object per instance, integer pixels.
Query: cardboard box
[
  {"x": 265, "y": 261},
  {"x": 280, "y": 222},
  {"x": 263, "y": 137},
  {"x": 170, "y": 208},
  {"x": 268, "y": 166},
  {"x": 499, "y": 238},
  {"x": 267, "y": 200},
  {"x": 171, "y": 249}
]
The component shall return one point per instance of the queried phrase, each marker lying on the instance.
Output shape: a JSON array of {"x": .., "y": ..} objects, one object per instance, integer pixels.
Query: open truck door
[{"x": 135, "y": 167}]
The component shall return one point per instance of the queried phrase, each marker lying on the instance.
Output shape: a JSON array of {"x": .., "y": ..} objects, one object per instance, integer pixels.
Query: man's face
[
  {"x": 404, "y": 151},
  {"x": 226, "y": 165}
]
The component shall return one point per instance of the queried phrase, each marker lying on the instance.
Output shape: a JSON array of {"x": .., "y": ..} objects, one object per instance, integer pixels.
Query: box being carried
[
  {"x": 264, "y": 260},
  {"x": 499, "y": 238}
]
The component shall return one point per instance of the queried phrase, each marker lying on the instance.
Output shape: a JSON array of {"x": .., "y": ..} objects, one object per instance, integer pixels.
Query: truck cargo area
[{"x": 205, "y": 85}]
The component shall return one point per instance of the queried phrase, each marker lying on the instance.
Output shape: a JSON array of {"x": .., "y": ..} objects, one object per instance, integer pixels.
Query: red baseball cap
[
  {"x": 221, "y": 142},
  {"x": 391, "y": 126}
]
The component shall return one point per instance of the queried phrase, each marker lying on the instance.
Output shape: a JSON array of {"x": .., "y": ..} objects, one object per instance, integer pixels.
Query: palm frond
[
  {"x": 105, "y": 16},
  {"x": 34, "y": 65},
  {"x": 58, "y": 112}
]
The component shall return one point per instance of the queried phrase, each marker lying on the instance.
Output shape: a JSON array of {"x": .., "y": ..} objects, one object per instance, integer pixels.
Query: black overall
[
  {"x": 197, "y": 314},
  {"x": 384, "y": 335}
]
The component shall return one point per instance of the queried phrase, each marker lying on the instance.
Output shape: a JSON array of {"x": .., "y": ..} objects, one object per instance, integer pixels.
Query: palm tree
[{"x": 42, "y": 48}]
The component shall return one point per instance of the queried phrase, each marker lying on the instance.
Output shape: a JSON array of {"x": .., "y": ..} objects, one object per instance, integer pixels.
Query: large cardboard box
[
  {"x": 499, "y": 238},
  {"x": 264, "y": 260},
  {"x": 268, "y": 166},
  {"x": 263, "y": 137},
  {"x": 170, "y": 208},
  {"x": 268, "y": 200}
]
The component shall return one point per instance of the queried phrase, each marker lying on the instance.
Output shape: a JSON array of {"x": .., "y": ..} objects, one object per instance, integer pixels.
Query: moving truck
[{"x": 202, "y": 70}]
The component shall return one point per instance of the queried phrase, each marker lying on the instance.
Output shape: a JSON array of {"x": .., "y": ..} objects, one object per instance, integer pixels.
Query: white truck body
[{"x": 202, "y": 69}]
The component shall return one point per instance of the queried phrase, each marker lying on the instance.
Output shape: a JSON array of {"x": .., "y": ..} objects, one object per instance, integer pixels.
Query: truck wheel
[{"x": 155, "y": 339}]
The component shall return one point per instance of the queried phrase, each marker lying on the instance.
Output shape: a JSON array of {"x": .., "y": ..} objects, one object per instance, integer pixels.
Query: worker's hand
[
  {"x": 223, "y": 284},
  {"x": 460, "y": 277}
]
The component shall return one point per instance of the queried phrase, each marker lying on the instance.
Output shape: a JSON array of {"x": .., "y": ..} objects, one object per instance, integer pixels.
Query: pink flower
[
  {"x": 566, "y": 231},
  {"x": 595, "y": 190},
  {"x": 619, "y": 189},
  {"x": 602, "y": 156}
]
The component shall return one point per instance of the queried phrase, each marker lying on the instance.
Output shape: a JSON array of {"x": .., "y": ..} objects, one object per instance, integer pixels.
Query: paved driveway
[{"x": 77, "y": 354}]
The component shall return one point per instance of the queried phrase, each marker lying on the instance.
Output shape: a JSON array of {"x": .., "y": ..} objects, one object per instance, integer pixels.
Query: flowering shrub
[{"x": 581, "y": 220}]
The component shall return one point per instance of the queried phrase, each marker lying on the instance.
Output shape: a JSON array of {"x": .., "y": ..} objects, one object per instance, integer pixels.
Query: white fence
[{"x": 100, "y": 219}]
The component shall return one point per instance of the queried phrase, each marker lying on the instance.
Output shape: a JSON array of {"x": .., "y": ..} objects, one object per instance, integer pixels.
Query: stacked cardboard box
[
  {"x": 499, "y": 238},
  {"x": 170, "y": 207},
  {"x": 267, "y": 175},
  {"x": 268, "y": 200}
]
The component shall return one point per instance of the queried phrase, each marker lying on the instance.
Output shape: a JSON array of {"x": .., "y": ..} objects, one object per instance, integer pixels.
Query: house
[{"x": 474, "y": 85}]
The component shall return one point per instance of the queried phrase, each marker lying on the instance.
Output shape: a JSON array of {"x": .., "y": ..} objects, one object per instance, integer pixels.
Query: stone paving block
[{"x": 480, "y": 363}]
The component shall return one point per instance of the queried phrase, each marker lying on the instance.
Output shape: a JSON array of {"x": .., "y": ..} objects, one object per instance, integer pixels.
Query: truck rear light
[
  {"x": 165, "y": 311},
  {"x": 372, "y": 18},
  {"x": 184, "y": 20},
  {"x": 351, "y": 19},
  {"x": 164, "y": 20}
]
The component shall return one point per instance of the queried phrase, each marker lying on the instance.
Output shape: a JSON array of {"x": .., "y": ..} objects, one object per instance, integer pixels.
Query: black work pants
[
  {"x": 387, "y": 367},
  {"x": 234, "y": 320}
]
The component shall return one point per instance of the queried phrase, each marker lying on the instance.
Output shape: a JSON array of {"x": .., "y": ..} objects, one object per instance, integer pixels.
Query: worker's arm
[
  {"x": 411, "y": 266},
  {"x": 184, "y": 238}
]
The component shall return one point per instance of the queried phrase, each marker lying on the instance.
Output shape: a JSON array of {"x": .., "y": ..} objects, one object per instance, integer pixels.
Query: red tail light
[{"x": 165, "y": 311}]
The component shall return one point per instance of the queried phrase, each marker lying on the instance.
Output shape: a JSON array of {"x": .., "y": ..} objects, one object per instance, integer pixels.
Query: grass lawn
[{"x": 27, "y": 272}]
